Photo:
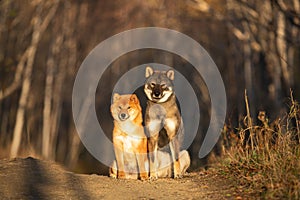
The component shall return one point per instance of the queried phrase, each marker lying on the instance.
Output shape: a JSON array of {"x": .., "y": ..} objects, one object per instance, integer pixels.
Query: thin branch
[
  {"x": 17, "y": 79},
  {"x": 292, "y": 15}
]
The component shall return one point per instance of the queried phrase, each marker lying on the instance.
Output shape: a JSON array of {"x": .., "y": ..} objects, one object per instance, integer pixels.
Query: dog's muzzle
[
  {"x": 123, "y": 116},
  {"x": 156, "y": 92}
]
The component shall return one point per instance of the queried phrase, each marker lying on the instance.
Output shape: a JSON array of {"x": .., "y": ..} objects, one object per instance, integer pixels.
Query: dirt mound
[{"x": 36, "y": 179}]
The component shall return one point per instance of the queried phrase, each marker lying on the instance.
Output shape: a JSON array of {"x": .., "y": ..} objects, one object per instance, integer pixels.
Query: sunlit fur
[
  {"x": 164, "y": 168},
  {"x": 165, "y": 95},
  {"x": 162, "y": 117},
  {"x": 158, "y": 86},
  {"x": 129, "y": 139}
]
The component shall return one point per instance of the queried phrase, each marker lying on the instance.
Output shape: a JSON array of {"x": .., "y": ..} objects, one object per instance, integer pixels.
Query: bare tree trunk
[
  {"x": 70, "y": 18},
  {"x": 75, "y": 141},
  {"x": 47, "y": 120},
  {"x": 248, "y": 64},
  {"x": 282, "y": 48},
  {"x": 52, "y": 100},
  {"x": 292, "y": 49},
  {"x": 39, "y": 26},
  {"x": 267, "y": 39},
  {"x": 57, "y": 96}
]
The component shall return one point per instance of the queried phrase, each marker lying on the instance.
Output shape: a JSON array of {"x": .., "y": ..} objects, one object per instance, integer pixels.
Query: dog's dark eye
[
  {"x": 128, "y": 107},
  {"x": 120, "y": 107},
  {"x": 163, "y": 86},
  {"x": 152, "y": 84}
]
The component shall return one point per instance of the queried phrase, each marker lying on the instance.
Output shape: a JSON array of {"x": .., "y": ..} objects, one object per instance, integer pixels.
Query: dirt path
[{"x": 35, "y": 179}]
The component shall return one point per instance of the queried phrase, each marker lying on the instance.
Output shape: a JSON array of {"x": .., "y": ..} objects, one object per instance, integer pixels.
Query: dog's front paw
[
  {"x": 144, "y": 176},
  {"x": 121, "y": 175},
  {"x": 153, "y": 176},
  {"x": 176, "y": 176},
  {"x": 177, "y": 172},
  {"x": 113, "y": 176}
]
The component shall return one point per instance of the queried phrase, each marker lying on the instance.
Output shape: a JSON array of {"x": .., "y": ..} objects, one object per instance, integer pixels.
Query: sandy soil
[{"x": 36, "y": 179}]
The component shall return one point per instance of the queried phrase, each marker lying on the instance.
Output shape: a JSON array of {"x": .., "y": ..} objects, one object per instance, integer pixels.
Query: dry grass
[{"x": 265, "y": 158}]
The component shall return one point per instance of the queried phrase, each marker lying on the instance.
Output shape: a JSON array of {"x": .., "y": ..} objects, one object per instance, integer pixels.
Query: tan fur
[
  {"x": 164, "y": 165},
  {"x": 129, "y": 139},
  {"x": 162, "y": 118}
]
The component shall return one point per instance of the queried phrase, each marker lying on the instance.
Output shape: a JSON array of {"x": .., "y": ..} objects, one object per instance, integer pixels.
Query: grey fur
[{"x": 162, "y": 117}]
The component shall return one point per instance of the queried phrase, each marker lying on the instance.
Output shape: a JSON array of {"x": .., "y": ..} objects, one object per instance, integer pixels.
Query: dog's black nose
[
  {"x": 156, "y": 93},
  {"x": 123, "y": 115}
]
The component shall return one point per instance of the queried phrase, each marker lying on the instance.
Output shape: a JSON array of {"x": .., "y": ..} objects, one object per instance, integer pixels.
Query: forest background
[{"x": 255, "y": 44}]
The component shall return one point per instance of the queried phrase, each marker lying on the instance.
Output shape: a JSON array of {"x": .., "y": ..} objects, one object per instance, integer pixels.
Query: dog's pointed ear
[
  {"x": 149, "y": 71},
  {"x": 170, "y": 74},
  {"x": 116, "y": 97},
  {"x": 134, "y": 98}
]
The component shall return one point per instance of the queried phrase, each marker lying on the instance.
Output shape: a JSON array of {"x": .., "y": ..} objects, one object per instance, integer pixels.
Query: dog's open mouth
[{"x": 157, "y": 97}]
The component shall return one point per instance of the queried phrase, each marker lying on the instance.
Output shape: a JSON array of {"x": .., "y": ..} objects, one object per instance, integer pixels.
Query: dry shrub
[{"x": 265, "y": 158}]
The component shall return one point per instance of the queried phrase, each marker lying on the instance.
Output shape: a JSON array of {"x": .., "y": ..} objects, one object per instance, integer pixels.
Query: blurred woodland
[{"x": 255, "y": 44}]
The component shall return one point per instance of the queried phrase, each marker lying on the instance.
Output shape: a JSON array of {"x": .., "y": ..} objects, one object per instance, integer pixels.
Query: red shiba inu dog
[{"x": 129, "y": 139}]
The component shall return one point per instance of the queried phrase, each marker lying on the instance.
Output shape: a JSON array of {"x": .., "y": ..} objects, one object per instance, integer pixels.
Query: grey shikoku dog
[{"x": 162, "y": 119}]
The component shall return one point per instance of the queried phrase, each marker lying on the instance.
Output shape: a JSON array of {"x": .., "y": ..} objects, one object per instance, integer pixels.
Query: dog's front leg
[
  {"x": 152, "y": 146},
  {"x": 153, "y": 128},
  {"x": 120, "y": 160},
  {"x": 142, "y": 160},
  {"x": 174, "y": 147},
  {"x": 143, "y": 166},
  {"x": 172, "y": 130}
]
